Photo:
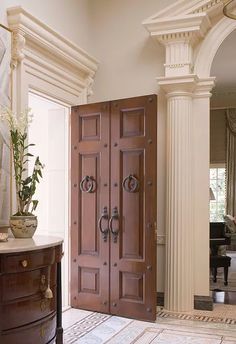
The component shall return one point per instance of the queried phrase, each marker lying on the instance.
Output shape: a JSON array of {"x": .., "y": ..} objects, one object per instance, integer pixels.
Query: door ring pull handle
[
  {"x": 114, "y": 216},
  {"x": 88, "y": 184},
  {"x": 105, "y": 231},
  {"x": 130, "y": 183}
]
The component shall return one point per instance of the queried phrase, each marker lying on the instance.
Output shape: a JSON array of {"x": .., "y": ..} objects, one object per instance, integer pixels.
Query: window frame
[{"x": 217, "y": 215}]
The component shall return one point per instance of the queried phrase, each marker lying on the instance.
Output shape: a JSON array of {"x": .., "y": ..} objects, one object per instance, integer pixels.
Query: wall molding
[{"x": 51, "y": 58}]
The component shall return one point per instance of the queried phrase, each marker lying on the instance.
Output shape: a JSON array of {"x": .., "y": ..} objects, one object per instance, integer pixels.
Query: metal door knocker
[
  {"x": 130, "y": 183},
  {"x": 88, "y": 184}
]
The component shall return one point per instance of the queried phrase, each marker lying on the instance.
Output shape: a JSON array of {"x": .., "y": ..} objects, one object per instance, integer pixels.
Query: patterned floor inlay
[
  {"x": 82, "y": 327},
  {"x": 196, "y": 317},
  {"x": 198, "y": 327},
  {"x": 157, "y": 336}
]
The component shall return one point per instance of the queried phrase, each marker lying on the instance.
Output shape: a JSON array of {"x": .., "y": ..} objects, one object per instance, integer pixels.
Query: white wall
[
  {"x": 129, "y": 63},
  {"x": 68, "y": 17},
  {"x": 130, "y": 60}
]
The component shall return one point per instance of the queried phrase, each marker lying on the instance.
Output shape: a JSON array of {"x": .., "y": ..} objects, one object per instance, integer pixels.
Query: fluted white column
[{"x": 179, "y": 224}]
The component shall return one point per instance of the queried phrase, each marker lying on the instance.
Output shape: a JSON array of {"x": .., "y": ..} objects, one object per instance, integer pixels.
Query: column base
[{"x": 204, "y": 303}]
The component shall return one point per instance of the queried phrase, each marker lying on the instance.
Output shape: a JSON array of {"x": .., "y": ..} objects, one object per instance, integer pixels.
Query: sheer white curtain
[{"x": 231, "y": 162}]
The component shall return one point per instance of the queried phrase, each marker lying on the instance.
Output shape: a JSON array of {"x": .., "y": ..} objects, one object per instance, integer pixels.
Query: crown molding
[
  {"x": 187, "y": 27},
  {"x": 40, "y": 47},
  {"x": 189, "y": 19},
  {"x": 185, "y": 7}
]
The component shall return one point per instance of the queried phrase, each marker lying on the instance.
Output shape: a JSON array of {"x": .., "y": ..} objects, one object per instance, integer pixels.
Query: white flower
[
  {"x": 39, "y": 167},
  {"x": 16, "y": 122}
]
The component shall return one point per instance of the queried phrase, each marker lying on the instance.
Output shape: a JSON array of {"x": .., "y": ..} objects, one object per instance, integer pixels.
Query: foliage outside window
[{"x": 217, "y": 184}]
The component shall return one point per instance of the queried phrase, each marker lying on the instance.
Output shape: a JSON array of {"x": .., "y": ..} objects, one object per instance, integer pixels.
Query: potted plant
[{"x": 23, "y": 223}]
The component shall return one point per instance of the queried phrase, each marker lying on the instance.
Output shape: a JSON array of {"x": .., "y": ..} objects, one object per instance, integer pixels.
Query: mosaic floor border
[
  {"x": 196, "y": 317},
  {"x": 84, "y": 326}
]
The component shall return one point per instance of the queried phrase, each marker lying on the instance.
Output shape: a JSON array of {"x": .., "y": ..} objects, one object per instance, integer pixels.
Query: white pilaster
[
  {"x": 181, "y": 28},
  {"x": 179, "y": 208}
]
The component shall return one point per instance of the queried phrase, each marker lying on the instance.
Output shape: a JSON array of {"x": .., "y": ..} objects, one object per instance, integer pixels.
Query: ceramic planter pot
[{"x": 23, "y": 226}]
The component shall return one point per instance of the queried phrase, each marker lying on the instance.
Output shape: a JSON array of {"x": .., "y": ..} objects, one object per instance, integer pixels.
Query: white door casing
[{"x": 47, "y": 63}]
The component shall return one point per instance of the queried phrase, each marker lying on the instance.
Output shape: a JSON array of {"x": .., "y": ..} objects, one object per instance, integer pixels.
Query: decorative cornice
[
  {"x": 186, "y": 7},
  {"x": 42, "y": 46},
  {"x": 188, "y": 28},
  {"x": 184, "y": 19}
]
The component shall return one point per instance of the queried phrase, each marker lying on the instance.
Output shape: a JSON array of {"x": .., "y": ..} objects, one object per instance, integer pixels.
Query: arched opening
[{"x": 222, "y": 172}]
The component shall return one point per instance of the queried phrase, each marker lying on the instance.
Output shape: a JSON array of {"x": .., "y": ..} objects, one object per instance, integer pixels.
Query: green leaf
[
  {"x": 27, "y": 180},
  {"x": 35, "y": 203},
  {"x": 29, "y": 145}
]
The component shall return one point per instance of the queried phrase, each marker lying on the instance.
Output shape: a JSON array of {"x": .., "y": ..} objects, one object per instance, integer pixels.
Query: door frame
[
  {"x": 48, "y": 64},
  {"x": 66, "y": 242}
]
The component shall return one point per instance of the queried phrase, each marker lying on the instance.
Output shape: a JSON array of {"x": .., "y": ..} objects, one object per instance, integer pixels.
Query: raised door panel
[
  {"x": 90, "y": 195},
  {"x": 133, "y": 198}
]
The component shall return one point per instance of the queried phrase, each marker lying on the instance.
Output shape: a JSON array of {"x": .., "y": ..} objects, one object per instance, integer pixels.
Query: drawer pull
[{"x": 24, "y": 263}]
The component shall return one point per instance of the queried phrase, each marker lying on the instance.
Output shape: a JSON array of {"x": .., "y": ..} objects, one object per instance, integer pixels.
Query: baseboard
[{"x": 204, "y": 303}]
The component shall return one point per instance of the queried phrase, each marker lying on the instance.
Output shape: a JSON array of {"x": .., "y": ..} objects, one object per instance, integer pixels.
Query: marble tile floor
[{"x": 84, "y": 327}]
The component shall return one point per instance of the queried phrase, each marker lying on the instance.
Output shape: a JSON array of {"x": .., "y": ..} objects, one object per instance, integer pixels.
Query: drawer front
[
  {"x": 40, "y": 332},
  {"x": 28, "y": 260},
  {"x": 26, "y": 311},
  {"x": 19, "y": 285}
]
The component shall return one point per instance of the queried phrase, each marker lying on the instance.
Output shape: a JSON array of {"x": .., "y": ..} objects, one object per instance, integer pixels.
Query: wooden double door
[{"x": 113, "y": 176}]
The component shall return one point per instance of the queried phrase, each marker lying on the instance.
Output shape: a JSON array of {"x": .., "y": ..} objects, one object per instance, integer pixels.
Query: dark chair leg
[
  {"x": 214, "y": 275},
  {"x": 226, "y": 275}
]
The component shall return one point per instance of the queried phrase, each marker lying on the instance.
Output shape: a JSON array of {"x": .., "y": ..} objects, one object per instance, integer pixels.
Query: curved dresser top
[{"x": 38, "y": 242}]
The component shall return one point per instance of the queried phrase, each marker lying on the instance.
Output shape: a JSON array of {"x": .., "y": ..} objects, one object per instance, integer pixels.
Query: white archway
[
  {"x": 191, "y": 32},
  {"x": 211, "y": 44}
]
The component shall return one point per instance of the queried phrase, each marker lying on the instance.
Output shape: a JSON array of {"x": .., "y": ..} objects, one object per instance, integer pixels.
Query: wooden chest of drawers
[{"x": 27, "y": 315}]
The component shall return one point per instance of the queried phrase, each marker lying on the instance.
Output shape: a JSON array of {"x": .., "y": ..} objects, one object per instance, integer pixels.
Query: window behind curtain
[{"x": 217, "y": 184}]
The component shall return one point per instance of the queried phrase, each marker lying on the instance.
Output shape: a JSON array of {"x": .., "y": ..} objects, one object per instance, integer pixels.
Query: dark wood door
[
  {"x": 90, "y": 251},
  {"x": 117, "y": 275}
]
